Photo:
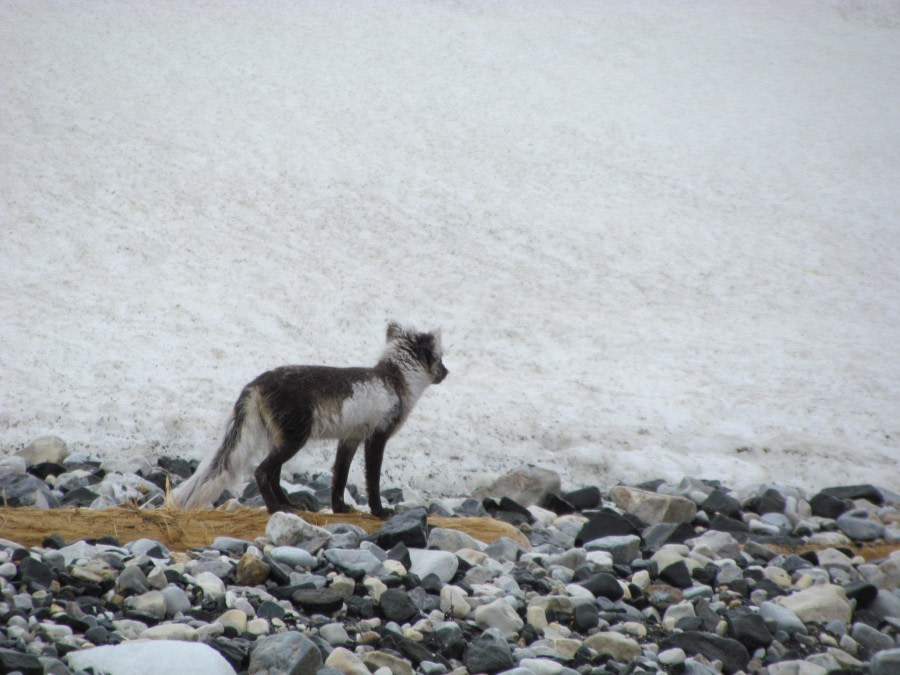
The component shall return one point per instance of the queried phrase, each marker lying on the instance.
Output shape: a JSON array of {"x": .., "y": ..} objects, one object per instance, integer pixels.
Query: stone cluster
[{"x": 690, "y": 578}]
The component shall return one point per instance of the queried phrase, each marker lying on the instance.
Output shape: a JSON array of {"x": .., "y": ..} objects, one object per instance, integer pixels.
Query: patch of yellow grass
[{"x": 182, "y": 529}]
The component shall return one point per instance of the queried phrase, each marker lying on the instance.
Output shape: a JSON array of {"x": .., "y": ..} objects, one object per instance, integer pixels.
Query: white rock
[
  {"x": 151, "y": 658},
  {"x": 170, "y": 631},
  {"x": 289, "y": 529},
  {"x": 44, "y": 449},
  {"x": 441, "y": 563},
  {"x": 499, "y": 614},
  {"x": 454, "y": 602},
  {"x": 211, "y": 585}
]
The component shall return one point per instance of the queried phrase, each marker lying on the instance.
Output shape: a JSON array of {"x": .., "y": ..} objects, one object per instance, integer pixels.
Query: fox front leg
[
  {"x": 345, "y": 451},
  {"x": 374, "y": 455}
]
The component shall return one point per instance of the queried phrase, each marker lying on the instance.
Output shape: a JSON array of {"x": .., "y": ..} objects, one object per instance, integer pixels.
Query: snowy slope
[{"x": 653, "y": 233}]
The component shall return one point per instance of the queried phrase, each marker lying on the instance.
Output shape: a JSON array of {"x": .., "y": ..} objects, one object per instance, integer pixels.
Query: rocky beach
[{"x": 688, "y": 577}]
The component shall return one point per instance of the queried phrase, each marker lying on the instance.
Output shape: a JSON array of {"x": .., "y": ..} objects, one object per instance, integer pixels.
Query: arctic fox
[{"x": 281, "y": 409}]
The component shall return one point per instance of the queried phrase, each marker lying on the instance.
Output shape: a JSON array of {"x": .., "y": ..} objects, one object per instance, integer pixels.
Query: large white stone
[{"x": 151, "y": 657}]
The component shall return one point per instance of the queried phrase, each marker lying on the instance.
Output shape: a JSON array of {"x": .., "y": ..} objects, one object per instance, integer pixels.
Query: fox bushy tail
[{"x": 245, "y": 437}]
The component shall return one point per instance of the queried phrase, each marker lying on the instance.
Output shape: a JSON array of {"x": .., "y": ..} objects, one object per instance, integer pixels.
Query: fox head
[{"x": 423, "y": 349}]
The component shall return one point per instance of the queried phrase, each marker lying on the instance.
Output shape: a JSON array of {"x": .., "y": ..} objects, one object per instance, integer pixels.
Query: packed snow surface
[{"x": 661, "y": 239}]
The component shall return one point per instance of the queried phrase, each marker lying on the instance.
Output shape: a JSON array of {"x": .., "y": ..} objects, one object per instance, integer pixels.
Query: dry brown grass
[
  {"x": 181, "y": 530},
  {"x": 190, "y": 528}
]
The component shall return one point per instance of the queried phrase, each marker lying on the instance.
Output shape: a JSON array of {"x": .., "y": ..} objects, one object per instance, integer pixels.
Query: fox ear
[
  {"x": 436, "y": 334},
  {"x": 393, "y": 330}
]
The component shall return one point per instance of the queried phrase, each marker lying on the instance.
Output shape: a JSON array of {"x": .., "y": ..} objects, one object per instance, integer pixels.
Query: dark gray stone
[
  {"x": 584, "y": 498},
  {"x": 12, "y": 661},
  {"x": 825, "y": 505},
  {"x": 409, "y": 528},
  {"x": 396, "y": 605},
  {"x": 748, "y": 628},
  {"x": 289, "y": 653},
  {"x": 720, "y": 502},
  {"x": 603, "y": 584},
  {"x": 323, "y": 600},
  {"x": 869, "y": 492},
  {"x": 733, "y": 655},
  {"x": 488, "y": 653},
  {"x": 604, "y": 524},
  {"x": 22, "y": 489},
  {"x": 677, "y": 574},
  {"x": 35, "y": 574}
]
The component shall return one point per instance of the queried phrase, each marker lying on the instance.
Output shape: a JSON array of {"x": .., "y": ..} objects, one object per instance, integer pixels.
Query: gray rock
[
  {"x": 176, "y": 600},
  {"x": 354, "y": 559},
  {"x": 870, "y": 638},
  {"x": 499, "y": 615},
  {"x": 446, "y": 539},
  {"x": 651, "y": 507},
  {"x": 821, "y": 603},
  {"x": 22, "y": 489},
  {"x": 860, "y": 529},
  {"x": 886, "y": 662},
  {"x": 230, "y": 545},
  {"x": 781, "y": 618},
  {"x": 334, "y": 634},
  {"x": 294, "y": 557},
  {"x": 289, "y": 653},
  {"x": 132, "y": 580},
  {"x": 504, "y": 549},
  {"x": 488, "y": 653},
  {"x": 886, "y": 605},
  {"x": 716, "y": 545},
  {"x": 623, "y": 548}
]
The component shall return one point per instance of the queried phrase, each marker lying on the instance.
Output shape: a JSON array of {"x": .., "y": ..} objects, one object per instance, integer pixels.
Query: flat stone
[
  {"x": 293, "y": 556},
  {"x": 354, "y": 559},
  {"x": 865, "y": 491},
  {"x": 821, "y": 603},
  {"x": 614, "y": 645},
  {"x": 377, "y": 660},
  {"x": 860, "y": 529},
  {"x": 324, "y": 600},
  {"x": 652, "y": 507},
  {"x": 169, "y": 631},
  {"x": 446, "y": 539}
]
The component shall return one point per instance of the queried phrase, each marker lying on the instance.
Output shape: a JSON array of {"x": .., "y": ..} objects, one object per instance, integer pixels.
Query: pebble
[{"x": 685, "y": 577}]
